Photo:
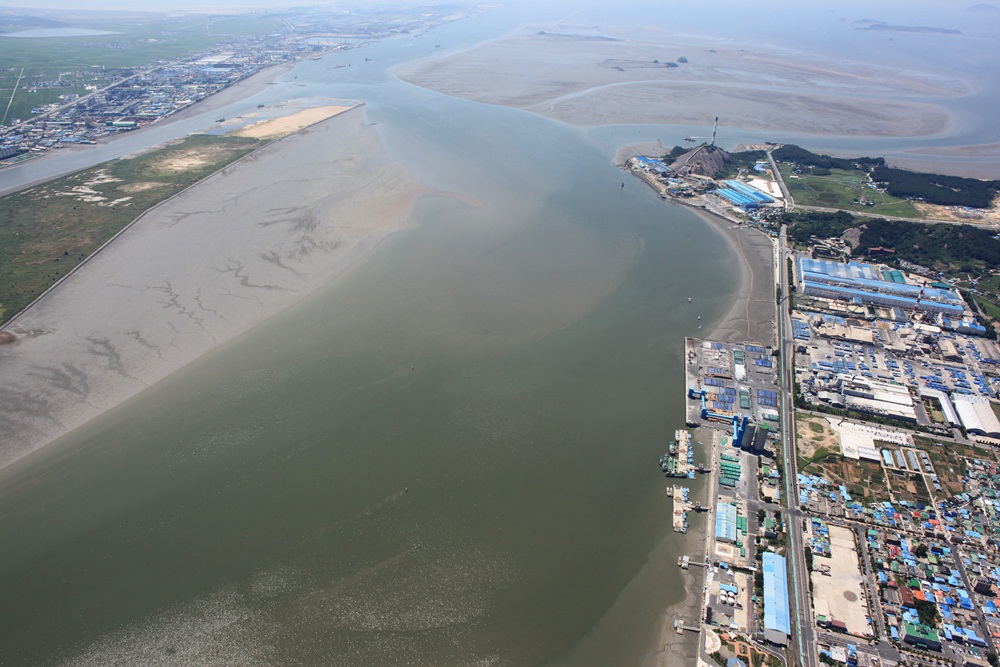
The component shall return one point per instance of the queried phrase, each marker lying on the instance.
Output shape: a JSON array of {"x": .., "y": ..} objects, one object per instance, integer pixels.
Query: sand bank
[
  {"x": 279, "y": 127},
  {"x": 592, "y": 76},
  {"x": 197, "y": 271}
]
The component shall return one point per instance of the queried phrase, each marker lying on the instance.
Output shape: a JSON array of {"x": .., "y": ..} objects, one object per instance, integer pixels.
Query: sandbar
[
  {"x": 272, "y": 128},
  {"x": 196, "y": 271},
  {"x": 604, "y": 76}
]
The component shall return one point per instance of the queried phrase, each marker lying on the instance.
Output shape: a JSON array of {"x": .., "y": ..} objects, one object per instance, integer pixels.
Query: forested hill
[
  {"x": 930, "y": 188},
  {"x": 936, "y": 188},
  {"x": 795, "y": 155},
  {"x": 942, "y": 247}
]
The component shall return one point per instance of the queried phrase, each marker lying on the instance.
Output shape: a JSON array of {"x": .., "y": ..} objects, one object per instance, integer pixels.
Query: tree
[
  {"x": 928, "y": 612},
  {"x": 921, "y": 551}
]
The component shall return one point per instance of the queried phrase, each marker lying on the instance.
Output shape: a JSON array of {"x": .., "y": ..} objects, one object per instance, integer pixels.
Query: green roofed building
[{"x": 921, "y": 636}]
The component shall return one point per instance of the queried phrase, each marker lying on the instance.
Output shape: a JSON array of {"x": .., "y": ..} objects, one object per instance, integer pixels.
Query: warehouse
[
  {"x": 777, "y": 623},
  {"x": 725, "y": 523},
  {"x": 976, "y": 413}
]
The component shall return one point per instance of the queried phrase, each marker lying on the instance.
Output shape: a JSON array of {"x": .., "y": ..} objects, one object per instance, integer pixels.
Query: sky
[{"x": 943, "y": 6}]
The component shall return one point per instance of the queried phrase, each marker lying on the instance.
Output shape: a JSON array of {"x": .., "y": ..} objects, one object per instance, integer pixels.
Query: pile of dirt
[{"x": 705, "y": 160}]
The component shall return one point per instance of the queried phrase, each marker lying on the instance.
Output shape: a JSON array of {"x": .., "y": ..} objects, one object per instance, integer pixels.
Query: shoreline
[
  {"x": 197, "y": 271},
  {"x": 754, "y": 296},
  {"x": 9, "y": 323},
  {"x": 240, "y": 90}
]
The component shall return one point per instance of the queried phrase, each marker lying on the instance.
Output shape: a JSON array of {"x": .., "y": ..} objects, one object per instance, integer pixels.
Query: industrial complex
[{"x": 853, "y": 477}]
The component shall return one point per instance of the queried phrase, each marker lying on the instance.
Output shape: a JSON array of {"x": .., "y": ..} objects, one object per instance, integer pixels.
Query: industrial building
[
  {"x": 862, "y": 394},
  {"x": 725, "y": 523},
  {"x": 777, "y": 623},
  {"x": 976, "y": 413},
  {"x": 944, "y": 400},
  {"x": 864, "y": 284},
  {"x": 743, "y": 195},
  {"x": 966, "y": 325}
]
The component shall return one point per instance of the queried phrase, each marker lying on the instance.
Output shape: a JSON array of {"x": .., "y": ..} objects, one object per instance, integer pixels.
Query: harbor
[{"x": 678, "y": 461}]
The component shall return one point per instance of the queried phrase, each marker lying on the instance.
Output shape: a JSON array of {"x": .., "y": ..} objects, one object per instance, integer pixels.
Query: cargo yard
[{"x": 732, "y": 410}]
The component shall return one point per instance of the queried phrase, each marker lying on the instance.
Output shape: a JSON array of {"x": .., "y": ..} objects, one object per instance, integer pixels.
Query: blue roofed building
[
  {"x": 863, "y": 283},
  {"x": 777, "y": 621}
]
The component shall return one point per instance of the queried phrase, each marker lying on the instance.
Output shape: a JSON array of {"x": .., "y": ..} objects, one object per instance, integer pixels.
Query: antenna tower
[{"x": 715, "y": 129}]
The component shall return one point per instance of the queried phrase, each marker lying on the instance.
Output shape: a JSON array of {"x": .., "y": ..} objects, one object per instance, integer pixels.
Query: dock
[
  {"x": 680, "y": 627},
  {"x": 681, "y": 507},
  {"x": 679, "y": 460}
]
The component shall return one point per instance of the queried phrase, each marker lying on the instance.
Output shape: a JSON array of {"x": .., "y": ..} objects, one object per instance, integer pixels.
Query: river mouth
[{"x": 418, "y": 463}]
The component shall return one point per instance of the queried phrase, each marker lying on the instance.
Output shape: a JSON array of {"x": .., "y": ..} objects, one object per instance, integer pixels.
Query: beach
[{"x": 198, "y": 270}]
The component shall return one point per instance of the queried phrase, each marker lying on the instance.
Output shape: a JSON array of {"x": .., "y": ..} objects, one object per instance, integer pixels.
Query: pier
[
  {"x": 681, "y": 507},
  {"x": 680, "y": 627}
]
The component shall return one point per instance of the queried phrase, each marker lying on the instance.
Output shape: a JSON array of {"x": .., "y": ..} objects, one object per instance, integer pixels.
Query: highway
[{"x": 800, "y": 606}]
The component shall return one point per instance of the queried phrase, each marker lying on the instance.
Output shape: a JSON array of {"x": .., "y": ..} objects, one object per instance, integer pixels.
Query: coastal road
[{"x": 803, "y": 637}]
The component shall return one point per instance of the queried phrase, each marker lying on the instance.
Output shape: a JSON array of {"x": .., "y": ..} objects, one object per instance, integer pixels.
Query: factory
[
  {"x": 863, "y": 284},
  {"x": 777, "y": 622},
  {"x": 743, "y": 195},
  {"x": 977, "y": 416}
]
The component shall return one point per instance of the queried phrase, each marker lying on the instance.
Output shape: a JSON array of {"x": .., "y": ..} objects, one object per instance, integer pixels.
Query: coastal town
[
  {"x": 95, "y": 102},
  {"x": 850, "y": 463}
]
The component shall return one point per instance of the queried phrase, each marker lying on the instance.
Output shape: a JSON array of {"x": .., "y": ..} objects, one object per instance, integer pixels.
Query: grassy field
[
  {"x": 48, "y": 230},
  {"x": 991, "y": 309},
  {"x": 840, "y": 190},
  {"x": 78, "y": 61}
]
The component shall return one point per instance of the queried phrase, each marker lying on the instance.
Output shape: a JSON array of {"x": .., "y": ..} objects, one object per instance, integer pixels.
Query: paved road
[
  {"x": 803, "y": 639},
  {"x": 789, "y": 202},
  {"x": 869, "y": 214}
]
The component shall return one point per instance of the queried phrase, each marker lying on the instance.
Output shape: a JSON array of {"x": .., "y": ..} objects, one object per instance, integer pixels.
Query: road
[
  {"x": 870, "y": 214},
  {"x": 789, "y": 202},
  {"x": 803, "y": 638}
]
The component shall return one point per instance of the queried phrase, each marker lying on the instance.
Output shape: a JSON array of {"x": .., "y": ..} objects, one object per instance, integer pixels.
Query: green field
[
  {"x": 991, "y": 309},
  {"x": 841, "y": 189},
  {"x": 86, "y": 60},
  {"x": 48, "y": 230}
]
